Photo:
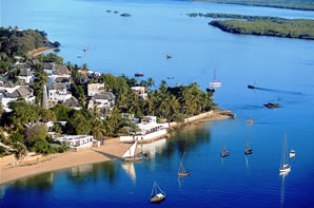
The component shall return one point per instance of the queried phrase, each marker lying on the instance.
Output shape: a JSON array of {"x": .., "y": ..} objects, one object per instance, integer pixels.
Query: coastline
[
  {"x": 111, "y": 150},
  {"x": 39, "y": 51}
]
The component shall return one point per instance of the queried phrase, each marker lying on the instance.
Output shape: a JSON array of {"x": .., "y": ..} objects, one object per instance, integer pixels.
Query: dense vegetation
[
  {"x": 25, "y": 124},
  {"x": 287, "y": 4},
  {"x": 302, "y": 29},
  {"x": 261, "y": 25},
  {"x": 17, "y": 42},
  {"x": 14, "y": 41}
]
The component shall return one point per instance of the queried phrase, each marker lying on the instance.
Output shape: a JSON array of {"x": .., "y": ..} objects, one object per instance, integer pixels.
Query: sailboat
[
  {"x": 285, "y": 167},
  {"x": 248, "y": 150},
  {"x": 130, "y": 155},
  {"x": 157, "y": 194},
  {"x": 224, "y": 152},
  {"x": 181, "y": 171},
  {"x": 214, "y": 83}
]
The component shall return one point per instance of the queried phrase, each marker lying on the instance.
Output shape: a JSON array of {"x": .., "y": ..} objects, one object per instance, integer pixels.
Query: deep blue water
[{"x": 284, "y": 67}]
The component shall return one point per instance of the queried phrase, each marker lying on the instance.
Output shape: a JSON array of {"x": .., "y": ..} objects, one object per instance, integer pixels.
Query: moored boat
[
  {"x": 292, "y": 153},
  {"x": 285, "y": 167},
  {"x": 130, "y": 155},
  {"x": 182, "y": 171},
  {"x": 157, "y": 195},
  {"x": 248, "y": 150},
  {"x": 138, "y": 74},
  {"x": 224, "y": 152},
  {"x": 251, "y": 86}
]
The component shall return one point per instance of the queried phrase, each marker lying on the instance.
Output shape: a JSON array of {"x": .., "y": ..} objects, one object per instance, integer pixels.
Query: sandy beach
[
  {"x": 38, "y": 51},
  {"x": 112, "y": 149}
]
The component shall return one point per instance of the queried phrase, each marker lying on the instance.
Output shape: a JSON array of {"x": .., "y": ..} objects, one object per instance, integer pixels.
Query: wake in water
[{"x": 274, "y": 90}]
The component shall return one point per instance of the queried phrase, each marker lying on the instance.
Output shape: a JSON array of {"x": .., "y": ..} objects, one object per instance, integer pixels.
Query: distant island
[
  {"x": 307, "y": 5},
  {"x": 261, "y": 25}
]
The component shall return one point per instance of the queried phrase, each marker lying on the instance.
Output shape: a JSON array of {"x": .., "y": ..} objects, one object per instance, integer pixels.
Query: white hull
[
  {"x": 285, "y": 169},
  {"x": 215, "y": 84}
]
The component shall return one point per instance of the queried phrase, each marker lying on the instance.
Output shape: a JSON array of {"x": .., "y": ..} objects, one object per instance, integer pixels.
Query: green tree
[
  {"x": 62, "y": 112},
  {"x": 78, "y": 124},
  {"x": 35, "y": 133},
  {"x": 22, "y": 114}
]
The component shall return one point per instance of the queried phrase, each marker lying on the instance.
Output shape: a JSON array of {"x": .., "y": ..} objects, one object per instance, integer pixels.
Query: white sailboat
[
  {"x": 214, "y": 83},
  {"x": 285, "y": 167},
  {"x": 130, "y": 155},
  {"x": 157, "y": 194}
]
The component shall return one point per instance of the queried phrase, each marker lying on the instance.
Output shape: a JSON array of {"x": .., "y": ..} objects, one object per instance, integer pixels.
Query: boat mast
[{"x": 284, "y": 150}]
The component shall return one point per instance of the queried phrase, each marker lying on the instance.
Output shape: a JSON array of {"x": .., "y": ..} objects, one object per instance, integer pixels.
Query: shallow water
[{"x": 284, "y": 67}]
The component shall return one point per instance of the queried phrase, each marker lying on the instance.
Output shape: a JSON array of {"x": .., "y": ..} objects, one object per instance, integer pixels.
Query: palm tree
[
  {"x": 98, "y": 130},
  {"x": 41, "y": 80}
]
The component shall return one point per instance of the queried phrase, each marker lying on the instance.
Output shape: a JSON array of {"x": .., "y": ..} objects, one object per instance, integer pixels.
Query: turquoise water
[{"x": 285, "y": 67}]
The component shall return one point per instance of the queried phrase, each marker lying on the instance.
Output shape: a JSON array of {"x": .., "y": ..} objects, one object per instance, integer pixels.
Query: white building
[
  {"x": 140, "y": 91},
  {"x": 149, "y": 124},
  {"x": 9, "y": 86},
  {"x": 104, "y": 100},
  {"x": 23, "y": 92},
  {"x": 149, "y": 130},
  {"x": 95, "y": 88},
  {"x": 26, "y": 75},
  {"x": 77, "y": 142},
  {"x": 58, "y": 93}
]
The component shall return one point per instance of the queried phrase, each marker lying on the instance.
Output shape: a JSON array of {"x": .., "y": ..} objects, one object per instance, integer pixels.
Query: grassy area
[
  {"x": 260, "y": 25},
  {"x": 286, "y": 4}
]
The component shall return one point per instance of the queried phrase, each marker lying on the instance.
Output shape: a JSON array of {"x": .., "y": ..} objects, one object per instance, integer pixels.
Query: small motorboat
[
  {"x": 251, "y": 86},
  {"x": 138, "y": 74},
  {"x": 168, "y": 56}
]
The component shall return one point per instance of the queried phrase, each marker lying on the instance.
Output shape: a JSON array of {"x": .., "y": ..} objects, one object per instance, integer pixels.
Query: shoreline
[
  {"x": 111, "y": 150},
  {"x": 39, "y": 51}
]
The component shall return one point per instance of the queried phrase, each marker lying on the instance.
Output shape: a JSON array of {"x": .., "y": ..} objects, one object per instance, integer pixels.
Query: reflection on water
[
  {"x": 129, "y": 168},
  {"x": 282, "y": 188},
  {"x": 83, "y": 174},
  {"x": 181, "y": 182},
  {"x": 152, "y": 148},
  {"x": 247, "y": 164},
  {"x": 42, "y": 182},
  {"x": 187, "y": 139},
  {"x": 2, "y": 191}
]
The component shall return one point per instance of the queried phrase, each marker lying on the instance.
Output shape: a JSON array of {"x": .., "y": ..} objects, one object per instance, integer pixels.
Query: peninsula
[
  {"x": 261, "y": 25},
  {"x": 56, "y": 115},
  {"x": 306, "y": 5}
]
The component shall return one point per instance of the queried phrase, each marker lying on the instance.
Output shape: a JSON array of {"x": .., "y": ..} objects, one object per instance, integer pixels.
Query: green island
[
  {"x": 39, "y": 90},
  {"x": 261, "y": 25},
  {"x": 307, "y": 5}
]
